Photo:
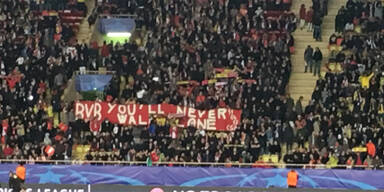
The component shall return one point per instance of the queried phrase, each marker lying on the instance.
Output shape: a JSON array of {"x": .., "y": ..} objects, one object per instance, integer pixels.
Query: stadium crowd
[
  {"x": 190, "y": 49},
  {"x": 351, "y": 100},
  {"x": 37, "y": 56},
  {"x": 252, "y": 38}
]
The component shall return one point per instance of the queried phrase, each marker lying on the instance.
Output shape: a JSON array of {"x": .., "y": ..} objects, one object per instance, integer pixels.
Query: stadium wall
[{"x": 197, "y": 176}]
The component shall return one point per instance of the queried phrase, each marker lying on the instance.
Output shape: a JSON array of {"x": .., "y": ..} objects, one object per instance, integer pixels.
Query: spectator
[
  {"x": 340, "y": 20},
  {"x": 365, "y": 80},
  {"x": 302, "y": 16},
  {"x": 317, "y": 21},
  {"x": 371, "y": 149},
  {"x": 308, "y": 58},
  {"x": 299, "y": 106},
  {"x": 317, "y": 58},
  {"x": 309, "y": 19}
]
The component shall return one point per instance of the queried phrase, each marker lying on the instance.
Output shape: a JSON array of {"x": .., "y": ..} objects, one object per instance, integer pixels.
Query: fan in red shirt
[
  {"x": 8, "y": 150},
  {"x": 95, "y": 125},
  {"x": 13, "y": 78},
  {"x": 371, "y": 149},
  {"x": 200, "y": 98},
  {"x": 105, "y": 50},
  {"x": 154, "y": 156}
]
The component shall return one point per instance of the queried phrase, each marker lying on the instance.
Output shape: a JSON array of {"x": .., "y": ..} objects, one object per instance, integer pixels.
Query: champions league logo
[{"x": 44, "y": 190}]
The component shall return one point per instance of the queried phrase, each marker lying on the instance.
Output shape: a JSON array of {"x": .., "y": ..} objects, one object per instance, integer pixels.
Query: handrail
[
  {"x": 89, "y": 72},
  {"x": 117, "y": 16},
  {"x": 211, "y": 164}
]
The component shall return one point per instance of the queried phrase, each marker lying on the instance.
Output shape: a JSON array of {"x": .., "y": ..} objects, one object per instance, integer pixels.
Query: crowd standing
[
  {"x": 252, "y": 39},
  {"x": 37, "y": 56},
  {"x": 347, "y": 106}
]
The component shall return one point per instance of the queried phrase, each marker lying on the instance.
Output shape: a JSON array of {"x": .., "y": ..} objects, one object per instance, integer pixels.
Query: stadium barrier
[
  {"x": 192, "y": 164},
  {"x": 125, "y": 188},
  {"x": 196, "y": 176}
]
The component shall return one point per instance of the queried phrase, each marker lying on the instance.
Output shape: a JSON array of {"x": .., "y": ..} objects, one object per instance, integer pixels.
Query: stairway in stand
[
  {"x": 85, "y": 32},
  {"x": 83, "y": 35},
  {"x": 303, "y": 84}
]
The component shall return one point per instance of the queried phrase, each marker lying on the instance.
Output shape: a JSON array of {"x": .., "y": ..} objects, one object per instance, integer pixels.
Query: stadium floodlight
[{"x": 119, "y": 34}]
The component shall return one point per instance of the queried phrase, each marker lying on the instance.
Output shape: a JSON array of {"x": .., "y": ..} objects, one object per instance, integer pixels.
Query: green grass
[{"x": 115, "y": 39}]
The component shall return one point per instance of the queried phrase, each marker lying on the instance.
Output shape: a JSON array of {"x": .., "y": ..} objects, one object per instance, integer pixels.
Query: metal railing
[
  {"x": 191, "y": 164},
  {"x": 110, "y": 16},
  {"x": 89, "y": 72}
]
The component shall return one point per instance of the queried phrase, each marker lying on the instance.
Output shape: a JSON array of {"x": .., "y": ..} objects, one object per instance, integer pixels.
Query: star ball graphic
[{"x": 188, "y": 176}]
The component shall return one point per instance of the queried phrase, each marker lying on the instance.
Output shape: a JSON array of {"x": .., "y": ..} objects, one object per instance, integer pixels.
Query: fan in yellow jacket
[{"x": 365, "y": 79}]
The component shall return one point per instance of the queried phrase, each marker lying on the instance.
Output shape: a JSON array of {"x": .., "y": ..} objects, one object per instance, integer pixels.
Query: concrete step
[
  {"x": 306, "y": 97},
  {"x": 303, "y": 83},
  {"x": 301, "y": 89},
  {"x": 299, "y": 68},
  {"x": 298, "y": 55},
  {"x": 305, "y": 77},
  {"x": 304, "y": 35},
  {"x": 323, "y": 31},
  {"x": 85, "y": 33}
]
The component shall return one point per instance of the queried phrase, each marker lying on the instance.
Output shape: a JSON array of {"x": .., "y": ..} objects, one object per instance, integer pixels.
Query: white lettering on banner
[
  {"x": 131, "y": 111},
  {"x": 122, "y": 118},
  {"x": 92, "y": 111},
  {"x": 201, "y": 124},
  {"x": 159, "y": 111},
  {"x": 191, "y": 122},
  {"x": 111, "y": 107},
  {"x": 132, "y": 120},
  {"x": 181, "y": 125},
  {"x": 122, "y": 114},
  {"x": 136, "y": 114},
  {"x": 122, "y": 109},
  {"x": 127, "y": 112},
  {"x": 150, "y": 111},
  {"x": 211, "y": 124},
  {"x": 97, "y": 111},
  {"x": 208, "y": 124},
  {"x": 79, "y": 110},
  {"x": 221, "y": 113},
  {"x": 191, "y": 113},
  {"x": 200, "y": 113},
  {"x": 47, "y": 190},
  {"x": 88, "y": 110},
  {"x": 141, "y": 122},
  {"x": 181, "y": 110},
  {"x": 211, "y": 114}
]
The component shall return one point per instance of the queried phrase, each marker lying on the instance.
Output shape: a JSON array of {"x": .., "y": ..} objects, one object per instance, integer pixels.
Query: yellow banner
[
  {"x": 182, "y": 83},
  {"x": 359, "y": 149}
]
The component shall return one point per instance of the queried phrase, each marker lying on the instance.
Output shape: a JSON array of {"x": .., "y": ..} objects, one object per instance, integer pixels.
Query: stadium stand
[
  {"x": 236, "y": 43},
  {"x": 37, "y": 57}
]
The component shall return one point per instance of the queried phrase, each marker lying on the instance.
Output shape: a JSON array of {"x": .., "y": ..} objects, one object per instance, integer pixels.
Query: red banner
[{"x": 221, "y": 119}]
